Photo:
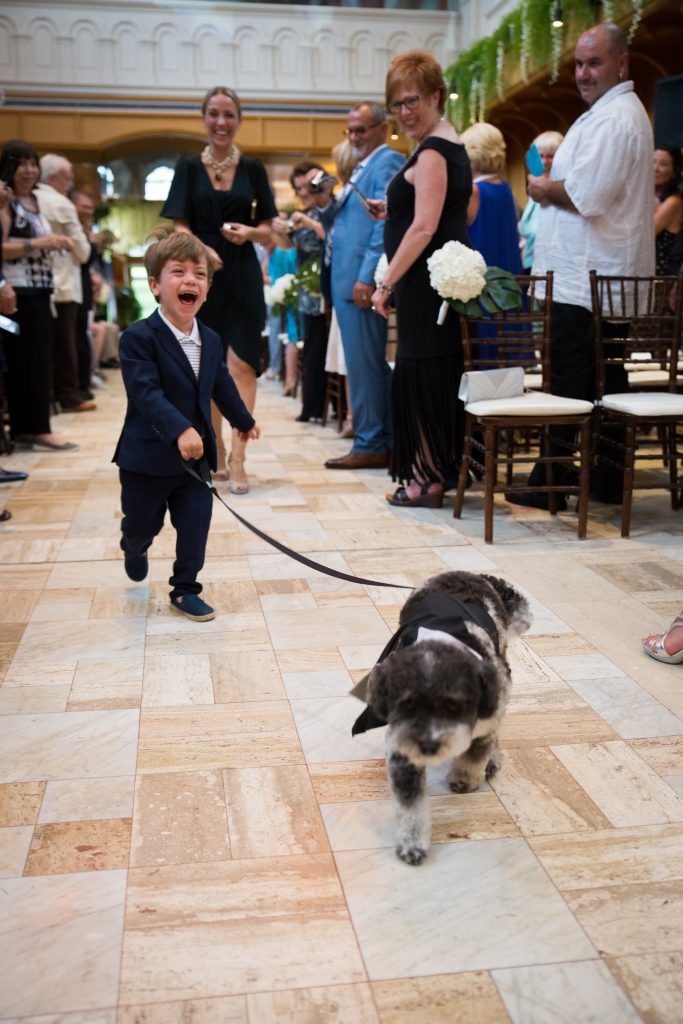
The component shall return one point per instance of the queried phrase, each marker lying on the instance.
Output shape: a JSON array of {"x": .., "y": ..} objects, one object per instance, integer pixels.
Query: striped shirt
[{"x": 191, "y": 343}]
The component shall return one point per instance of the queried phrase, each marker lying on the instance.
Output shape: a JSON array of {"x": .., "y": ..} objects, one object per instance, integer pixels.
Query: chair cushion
[
  {"x": 645, "y": 403},
  {"x": 535, "y": 403}
]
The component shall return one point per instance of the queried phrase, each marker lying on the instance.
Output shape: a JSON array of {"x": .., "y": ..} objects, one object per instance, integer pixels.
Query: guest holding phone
[{"x": 546, "y": 145}]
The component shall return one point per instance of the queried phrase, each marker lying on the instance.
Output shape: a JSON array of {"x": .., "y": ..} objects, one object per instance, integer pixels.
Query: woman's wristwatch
[
  {"x": 386, "y": 288},
  {"x": 28, "y": 248}
]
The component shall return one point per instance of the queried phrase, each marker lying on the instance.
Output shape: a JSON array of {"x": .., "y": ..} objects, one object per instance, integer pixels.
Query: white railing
[{"x": 140, "y": 48}]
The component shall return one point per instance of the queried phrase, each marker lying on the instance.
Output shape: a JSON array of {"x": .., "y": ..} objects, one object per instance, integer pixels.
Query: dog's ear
[
  {"x": 516, "y": 606},
  {"x": 378, "y": 691},
  {"x": 490, "y": 690}
]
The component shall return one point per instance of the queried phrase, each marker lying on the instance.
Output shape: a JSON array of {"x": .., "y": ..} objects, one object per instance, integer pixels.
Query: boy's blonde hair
[{"x": 169, "y": 244}]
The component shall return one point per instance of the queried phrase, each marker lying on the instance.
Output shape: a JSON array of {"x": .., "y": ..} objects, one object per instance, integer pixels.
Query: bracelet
[
  {"x": 28, "y": 248},
  {"x": 387, "y": 288}
]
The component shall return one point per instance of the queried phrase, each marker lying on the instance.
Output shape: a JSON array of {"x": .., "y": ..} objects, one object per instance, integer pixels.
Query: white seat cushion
[
  {"x": 645, "y": 403},
  {"x": 535, "y": 403}
]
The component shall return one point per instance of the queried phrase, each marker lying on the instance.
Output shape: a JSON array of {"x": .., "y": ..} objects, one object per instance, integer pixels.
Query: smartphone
[
  {"x": 534, "y": 162},
  {"x": 365, "y": 204}
]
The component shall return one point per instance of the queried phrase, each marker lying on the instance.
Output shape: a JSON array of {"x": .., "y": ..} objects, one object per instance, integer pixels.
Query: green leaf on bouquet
[
  {"x": 472, "y": 308},
  {"x": 488, "y": 303}
]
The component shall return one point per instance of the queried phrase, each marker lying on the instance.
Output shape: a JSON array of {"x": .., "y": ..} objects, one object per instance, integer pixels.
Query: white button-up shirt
[
  {"x": 606, "y": 164},
  {"x": 191, "y": 343}
]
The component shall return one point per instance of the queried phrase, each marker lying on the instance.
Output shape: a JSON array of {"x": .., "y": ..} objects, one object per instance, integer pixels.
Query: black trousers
[
  {"x": 572, "y": 375},
  {"x": 313, "y": 366},
  {"x": 144, "y": 500},
  {"x": 29, "y": 365},
  {"x": 83, "y": 352},
  {"x": 65, "y": 362}
]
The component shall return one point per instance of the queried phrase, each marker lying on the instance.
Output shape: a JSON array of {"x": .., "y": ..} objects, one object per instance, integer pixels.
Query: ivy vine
[{"x": 523, "y": 44}]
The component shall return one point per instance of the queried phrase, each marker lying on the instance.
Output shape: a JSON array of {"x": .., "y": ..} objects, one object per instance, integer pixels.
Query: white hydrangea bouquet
[
  {"x": 381, "y": 269},
  {"x": 282, "y": 292},
  {"x": 460, "y": 276}
]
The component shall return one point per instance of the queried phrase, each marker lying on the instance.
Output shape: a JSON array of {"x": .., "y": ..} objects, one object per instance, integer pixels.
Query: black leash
[{"x": 283, "y": 547}]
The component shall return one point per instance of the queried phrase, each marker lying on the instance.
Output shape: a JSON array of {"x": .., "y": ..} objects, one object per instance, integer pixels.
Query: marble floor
[{"x": 188, "y": 832}]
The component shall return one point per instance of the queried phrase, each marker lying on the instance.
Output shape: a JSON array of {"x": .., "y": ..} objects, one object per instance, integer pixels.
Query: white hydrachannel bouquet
[
  {"x": 282, "y": 292},
  {"x": 460, "y": 276},
  {"x": 381, "y": 269}
]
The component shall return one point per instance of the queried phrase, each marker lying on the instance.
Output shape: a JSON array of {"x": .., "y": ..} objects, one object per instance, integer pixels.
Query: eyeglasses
[
  {"x": 361, "y": 131},
  {"x": 409, "y": 102}
]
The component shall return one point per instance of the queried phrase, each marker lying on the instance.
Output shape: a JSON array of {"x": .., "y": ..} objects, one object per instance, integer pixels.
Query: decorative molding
[{"x": 120, "y": 48}]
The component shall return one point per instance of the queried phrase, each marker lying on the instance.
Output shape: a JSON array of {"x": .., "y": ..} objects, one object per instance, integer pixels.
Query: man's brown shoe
[
  {"x": 86, "y": 406},
  {"x": 359, "y": 460}
]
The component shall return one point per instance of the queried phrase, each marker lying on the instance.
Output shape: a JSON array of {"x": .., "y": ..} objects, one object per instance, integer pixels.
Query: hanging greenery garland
[
  {"x": 638, "y": 7},
  {"x": 557, "y": 47},
  {"x": 608, "y": 10},
  {"x": 525, "y": 52},
  {"x": 500, "y": 65}
]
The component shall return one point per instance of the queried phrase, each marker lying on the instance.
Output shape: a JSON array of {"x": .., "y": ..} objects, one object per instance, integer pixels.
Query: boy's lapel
[
  {"x": 171, "y": 344},
  {"x": 207, "y": 367}
]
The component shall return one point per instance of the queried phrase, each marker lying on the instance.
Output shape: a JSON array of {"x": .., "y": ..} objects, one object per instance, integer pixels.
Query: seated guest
[
  {"x": 668, "y": 205},
  {"x": 546, "y": 143}
]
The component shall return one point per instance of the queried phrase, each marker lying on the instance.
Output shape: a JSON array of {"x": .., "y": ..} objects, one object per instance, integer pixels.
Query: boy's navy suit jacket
[{"x": 165, "y": 397}]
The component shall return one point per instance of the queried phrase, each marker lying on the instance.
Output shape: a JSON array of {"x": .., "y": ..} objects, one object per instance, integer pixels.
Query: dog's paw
[
  {"x": 463, "y": 785},
  {"x": 492, "y": 766},
  {"x": 411, "y": 853}
]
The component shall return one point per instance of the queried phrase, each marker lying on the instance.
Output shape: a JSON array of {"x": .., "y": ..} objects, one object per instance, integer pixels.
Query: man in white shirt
[
  {"x": 56, "y": 175},
  {"x": 597, "y": 212}
]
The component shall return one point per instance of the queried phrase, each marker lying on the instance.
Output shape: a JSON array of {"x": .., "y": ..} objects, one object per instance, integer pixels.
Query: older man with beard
[{"x": 597, "y": 212}]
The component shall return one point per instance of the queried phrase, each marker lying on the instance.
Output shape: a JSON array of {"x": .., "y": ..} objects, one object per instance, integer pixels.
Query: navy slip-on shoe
[
  {"x": 192, "y": 606},
  {"x": 12, "y": 476},
  {"x": 136, "y": 566}
]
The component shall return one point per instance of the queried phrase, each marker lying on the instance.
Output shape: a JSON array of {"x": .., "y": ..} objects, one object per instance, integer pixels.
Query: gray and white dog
[{"x": 441, "y": 686}]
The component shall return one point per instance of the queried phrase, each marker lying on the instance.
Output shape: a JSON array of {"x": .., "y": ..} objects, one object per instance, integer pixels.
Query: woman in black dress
[
  {"x": 426, "y": 207},
  {"x": 225, "y": 199}
]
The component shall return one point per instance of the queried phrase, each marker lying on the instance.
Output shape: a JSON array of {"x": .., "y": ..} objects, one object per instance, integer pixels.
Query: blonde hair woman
[
  {"x": 547, "y": 144},
  {"x": 491, "y": 215}
]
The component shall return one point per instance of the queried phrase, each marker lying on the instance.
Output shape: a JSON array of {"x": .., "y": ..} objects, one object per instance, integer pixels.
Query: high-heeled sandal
[
  {"x": 237, "y": 486},
  {"x": 289, "y": 390},
  {"x": 220, "y": 474},
  {"x": 655, "y": 648},
  {"x": 425, "y": 499}
]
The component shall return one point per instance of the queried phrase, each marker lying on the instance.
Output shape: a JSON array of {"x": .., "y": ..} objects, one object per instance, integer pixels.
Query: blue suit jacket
[
  {"x": 165, "y": 397},
  {"x": 358, "y": 240}
]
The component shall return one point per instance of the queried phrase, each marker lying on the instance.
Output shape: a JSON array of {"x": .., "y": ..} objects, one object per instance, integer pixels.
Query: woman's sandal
[
  {"x": 653, "y": 645},
  {"x": 237, "y": 486},
  {"x": 220, "y": 474},
  {"x": 425, "y": 499},
  {"x": 5, "y": 514}
]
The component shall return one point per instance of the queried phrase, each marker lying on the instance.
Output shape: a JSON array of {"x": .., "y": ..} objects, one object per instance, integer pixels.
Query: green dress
[{"x": 234, "y": 307}]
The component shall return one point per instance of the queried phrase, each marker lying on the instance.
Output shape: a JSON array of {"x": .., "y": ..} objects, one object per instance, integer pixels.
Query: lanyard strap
[{"x": 283, "y": 547}]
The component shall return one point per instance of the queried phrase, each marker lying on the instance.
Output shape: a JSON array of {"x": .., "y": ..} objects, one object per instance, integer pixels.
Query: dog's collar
[
  {"x": 424, "y": 633},
  {"x": 439, "y": 613}
]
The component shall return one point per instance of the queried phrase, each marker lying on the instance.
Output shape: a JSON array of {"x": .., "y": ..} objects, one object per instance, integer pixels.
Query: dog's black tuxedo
[{"x": 433, "y": 611}]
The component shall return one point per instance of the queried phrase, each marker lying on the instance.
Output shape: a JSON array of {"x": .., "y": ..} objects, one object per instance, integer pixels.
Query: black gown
[
  {"x": 235, "y": 306},
  {"x": 428, "y": 416}
]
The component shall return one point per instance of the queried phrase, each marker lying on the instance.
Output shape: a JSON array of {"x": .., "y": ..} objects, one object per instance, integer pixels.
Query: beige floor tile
[
  {"x": 104, "y": 696},
  {"x": 112, "y": 670},
  {"x": 632, "y": 856},
  {"x": 534, "y": 926},
  {"x": 339, "y": 781},
  {"x": 219, "y": 736},
  {"x": 626, "y": 790},
  {"x": 663, "y": 753},
  {"x": 89, "y": 1017},
  {"x": 237, "y": 926},
  {"x": 625, "y": 920},
  {"x": 273, "y": 812},
  {"x": 61, "y": 644},
  {"x": 281, "y": 586},
  {"x": 77, "y": 846},
  {"x": 299, "y": 685},
  {"x": 26, "y": 700},
  {"x": 334, "y": 626},
  {"x": 542, "y": 796},
  {"x": 653, "y": 983},
  {"x": 38, "y": 676},
  {"x": 371, "y": 824},
  {"x": 245, "y": 675},
  {"x": 228, "y": 1010},
  {"x": 87, "y": 799},
  {"x": 312, "y": 659},
  {"x": 61, "y": 937},
  {"x": 324, "y": 728},
  {"x": 17, "y": 605},
  {"x": 74, "y": 745},
  {"x": 334, "y": 1004},
  {"x": 180, "y": 818},
  {"x": 20, "y": 802},
  {"x": 224, "y": 633},
  {"x": 14, "y": 846},
  {"x": 443, "y": 999},
  {"x": 561, "y": 644},
  {"x": 555, "y": 993},
  {"x": 566, "y": 725},
  {"x": 629, "y": 709},
  {"x": 176, "y": 679}
]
